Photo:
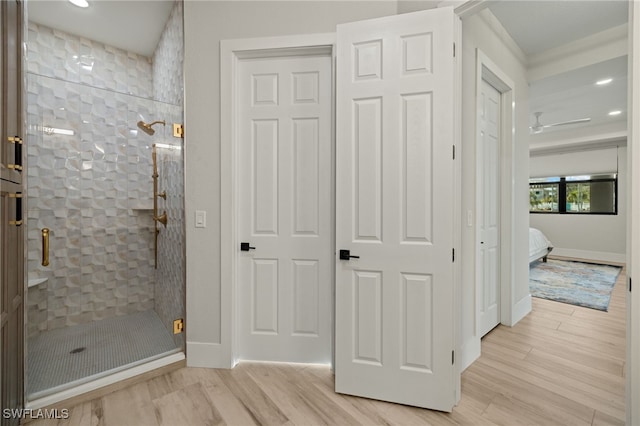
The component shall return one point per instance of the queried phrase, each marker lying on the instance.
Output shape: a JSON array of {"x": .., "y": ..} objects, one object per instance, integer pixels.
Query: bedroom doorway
[
  {"x": 577, "y": 76},
  {"x": 494, "y": 130}
]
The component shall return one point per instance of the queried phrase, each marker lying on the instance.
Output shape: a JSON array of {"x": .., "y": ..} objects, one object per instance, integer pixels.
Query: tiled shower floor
[{"x": 56, "y": 360}]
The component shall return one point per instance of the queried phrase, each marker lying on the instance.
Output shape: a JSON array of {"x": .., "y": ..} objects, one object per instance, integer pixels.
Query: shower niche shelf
[
  {"x": 141, "y": 205},
  {"x": 36, "y": 281}
]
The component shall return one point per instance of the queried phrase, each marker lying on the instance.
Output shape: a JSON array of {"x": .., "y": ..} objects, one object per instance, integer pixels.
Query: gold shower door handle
[{"x": 45, "y": 246}]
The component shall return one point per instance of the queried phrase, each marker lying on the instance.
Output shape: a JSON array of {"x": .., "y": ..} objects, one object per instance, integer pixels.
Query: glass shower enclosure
[{"x": 97, "y": 301}]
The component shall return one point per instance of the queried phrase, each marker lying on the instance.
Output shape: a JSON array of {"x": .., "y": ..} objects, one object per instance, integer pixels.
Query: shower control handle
[
  {"x": 162, "y": 219},
  {"x": 246, "y": 247}
]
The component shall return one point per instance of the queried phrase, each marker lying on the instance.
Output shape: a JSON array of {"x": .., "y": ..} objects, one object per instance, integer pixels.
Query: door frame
[
  {"x": 632, "y": 365},
  {"x": 488, "y": 71},
  {"x": 231, "y": 52}
]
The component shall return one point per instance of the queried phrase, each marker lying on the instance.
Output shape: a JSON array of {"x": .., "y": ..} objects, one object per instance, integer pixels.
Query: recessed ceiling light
[
  {"x": 616, "y": 112},
  {"x": 79, "y": 3},
  {"x": 599, "y": 82}
]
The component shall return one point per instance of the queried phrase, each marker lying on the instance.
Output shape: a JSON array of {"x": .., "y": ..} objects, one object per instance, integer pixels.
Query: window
[
  {"x": 591, "y": 194},
  {"x": 543, "y": 194}
]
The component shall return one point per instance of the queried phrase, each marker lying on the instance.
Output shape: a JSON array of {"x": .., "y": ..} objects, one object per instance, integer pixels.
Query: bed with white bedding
[{"x": 539, "y": 245}]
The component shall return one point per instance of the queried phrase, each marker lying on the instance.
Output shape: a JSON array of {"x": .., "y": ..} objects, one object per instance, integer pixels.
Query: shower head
[{"x": 147, "y": 127}]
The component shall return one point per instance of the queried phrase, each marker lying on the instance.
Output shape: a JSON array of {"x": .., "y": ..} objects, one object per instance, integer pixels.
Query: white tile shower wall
[
  {"x": 169, "y": 296},
  {"x": 88, "y": 187},
  {"x": 67, "y": 57},
  {"x": 168, "y": 83}
]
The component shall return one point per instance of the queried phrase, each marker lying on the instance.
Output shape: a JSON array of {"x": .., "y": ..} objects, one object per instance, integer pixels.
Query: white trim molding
[
  {"x": 209, "y": 355},
  {"x": 601, "y": 256},
  {"x": 632, "y": 365},
  {"x": 496, "y": 26},
  {"x": 599, "y": 47},
  {"x": 510, "y": 311},
  {"x": 464, "y": 8},
  {"x": 520, "y": 310},
  {"x": 487, "y": 70}
]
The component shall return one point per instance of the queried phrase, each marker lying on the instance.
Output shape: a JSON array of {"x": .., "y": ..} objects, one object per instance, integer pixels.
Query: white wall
[
  {"x": 206, "y": 23},
  {"x": 595, "y": 237},
  {"x": 574, "y": 162},
  {"x": 483, "y": 31}
]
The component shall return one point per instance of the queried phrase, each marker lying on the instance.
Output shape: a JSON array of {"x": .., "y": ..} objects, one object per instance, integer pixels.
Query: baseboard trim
[
  {"x": 521, "y": 309},
  {"x": 469, "y": 352},
  {"x": 208, "y": 355},
  {"x": 601, "y": 256}
]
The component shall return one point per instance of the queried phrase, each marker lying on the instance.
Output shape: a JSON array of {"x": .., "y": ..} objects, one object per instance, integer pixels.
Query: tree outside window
[
  {"x": 543, "y": 197},
  {"x": 590, "y": 194},
  {"x": 578, "y": 197}
]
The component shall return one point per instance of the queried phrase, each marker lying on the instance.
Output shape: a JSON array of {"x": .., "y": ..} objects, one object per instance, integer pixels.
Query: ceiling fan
[{"x": 538, "y": 127}]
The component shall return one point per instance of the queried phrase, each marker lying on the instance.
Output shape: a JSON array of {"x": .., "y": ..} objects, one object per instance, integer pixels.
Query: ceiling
[
  {"x": 537, "y": 26},
  {"x": 574, "y": 95},
  {"x": 132, "y": 25},
  {"x": 541, "y": 25}
]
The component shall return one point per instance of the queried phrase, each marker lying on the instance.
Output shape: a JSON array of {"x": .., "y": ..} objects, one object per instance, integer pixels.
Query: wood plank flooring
[{"x": 561, "y": 365}]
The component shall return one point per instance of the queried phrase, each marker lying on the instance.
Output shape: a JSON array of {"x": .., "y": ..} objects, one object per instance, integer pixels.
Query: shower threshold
[{"x": 84, "y": 355}]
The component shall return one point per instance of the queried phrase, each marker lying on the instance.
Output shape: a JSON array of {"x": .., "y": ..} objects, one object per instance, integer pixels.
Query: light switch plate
[{"x": 201, "y": 219}]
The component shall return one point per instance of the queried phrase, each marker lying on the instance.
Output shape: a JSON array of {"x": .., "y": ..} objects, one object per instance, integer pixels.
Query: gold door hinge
[
  {"x": 15, "y": 222},
  {"x": 16, "y": 195},
  {"x": 178, "y": 326},
  {"x": 178, "y": 130},
  {"x": 15, "y": 139},
  {"x": 14, "y": 167}
]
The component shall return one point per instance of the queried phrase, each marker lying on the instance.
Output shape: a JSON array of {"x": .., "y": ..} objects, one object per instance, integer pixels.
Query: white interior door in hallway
[
  {"x": 284, "y": 172},
  {"x": 489, "y": 207},
  {"x": 395, "y": 308}
]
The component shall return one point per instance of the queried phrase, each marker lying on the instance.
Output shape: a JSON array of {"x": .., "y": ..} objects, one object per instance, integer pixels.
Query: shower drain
[{"x": 77, "y": 350}]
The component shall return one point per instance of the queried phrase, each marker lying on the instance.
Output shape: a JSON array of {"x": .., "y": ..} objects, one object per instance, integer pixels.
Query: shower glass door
[{"x": 101, "y": 304}]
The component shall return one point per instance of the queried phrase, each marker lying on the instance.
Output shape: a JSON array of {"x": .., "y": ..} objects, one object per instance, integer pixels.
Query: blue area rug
[{"x": 577, "y": 283}]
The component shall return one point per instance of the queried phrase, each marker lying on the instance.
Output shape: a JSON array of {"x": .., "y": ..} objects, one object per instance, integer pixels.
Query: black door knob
[
  {"x": 246, "y": 247},
  {"x": 346, "y": 255}
]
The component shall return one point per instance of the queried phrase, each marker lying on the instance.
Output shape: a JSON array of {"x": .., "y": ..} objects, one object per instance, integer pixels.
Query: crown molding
[
  {"x": 496, "y": 26},
  {"x": 599, "y": 47}
]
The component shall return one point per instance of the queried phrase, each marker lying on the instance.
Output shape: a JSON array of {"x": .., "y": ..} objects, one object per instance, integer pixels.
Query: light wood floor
[{"x": 561, "y": 365}]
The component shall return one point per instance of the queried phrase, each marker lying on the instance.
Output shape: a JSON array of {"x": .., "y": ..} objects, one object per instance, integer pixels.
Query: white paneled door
[
  {"x": 285, "y": 206},
  {"x": 395, "y": 311},
  {"x": 489, "y": 208}
]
